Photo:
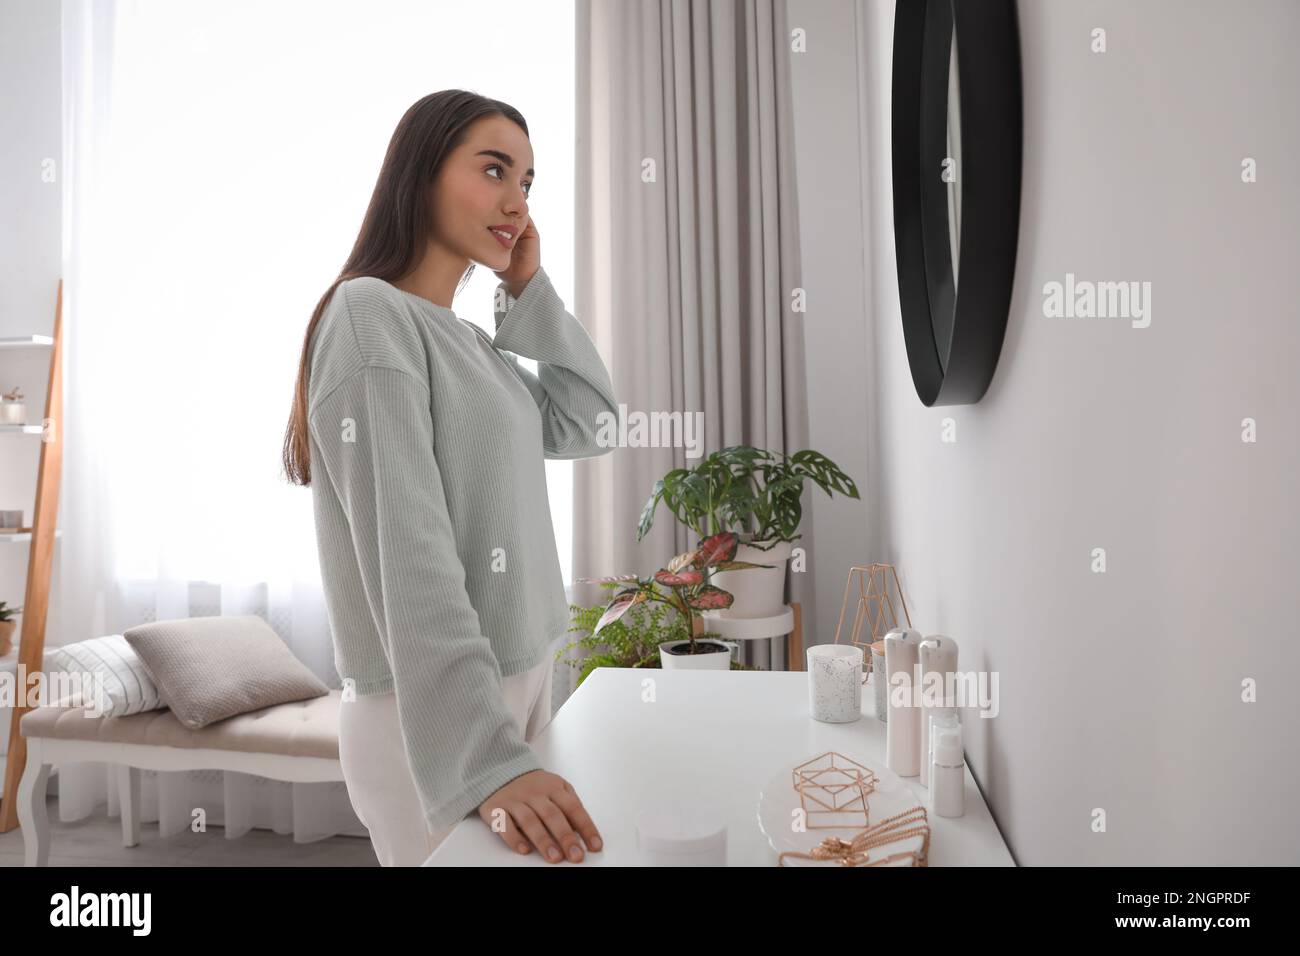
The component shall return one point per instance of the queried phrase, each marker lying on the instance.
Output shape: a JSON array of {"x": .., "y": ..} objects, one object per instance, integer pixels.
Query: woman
[{"x": 428, "y": 439}]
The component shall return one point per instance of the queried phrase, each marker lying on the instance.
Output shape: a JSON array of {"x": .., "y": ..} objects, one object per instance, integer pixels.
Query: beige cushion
[
  {"x": 308, "y": 728},
  {"x": 211, "y": 668}
]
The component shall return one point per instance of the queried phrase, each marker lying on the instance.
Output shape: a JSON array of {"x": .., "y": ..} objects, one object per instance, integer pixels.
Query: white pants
[{"x": 378, "y": 774}]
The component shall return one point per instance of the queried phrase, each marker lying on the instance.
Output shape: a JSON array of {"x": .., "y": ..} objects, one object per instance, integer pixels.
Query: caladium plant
[{"x": 683, "y": 584}]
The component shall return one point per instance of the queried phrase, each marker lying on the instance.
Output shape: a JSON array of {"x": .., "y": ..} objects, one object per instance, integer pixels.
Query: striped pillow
[{"x": 128, "y": 688}]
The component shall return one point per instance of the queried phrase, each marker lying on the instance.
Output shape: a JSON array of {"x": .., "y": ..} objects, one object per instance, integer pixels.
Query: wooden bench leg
[
  {"x": 128, "y": 796},
  {"x": 32, "y": 815}
]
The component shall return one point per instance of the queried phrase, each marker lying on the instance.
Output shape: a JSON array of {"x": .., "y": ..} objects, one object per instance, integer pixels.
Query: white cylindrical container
[
  {"x": 948, "y": 773},
  {"x": 682, "y": 836},
  {"x": 835, "y": 682},
  {"x": 903, "y": 733}
]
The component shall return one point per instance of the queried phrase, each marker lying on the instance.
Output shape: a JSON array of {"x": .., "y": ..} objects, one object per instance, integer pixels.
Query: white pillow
[{"x": 128, "y": 688}]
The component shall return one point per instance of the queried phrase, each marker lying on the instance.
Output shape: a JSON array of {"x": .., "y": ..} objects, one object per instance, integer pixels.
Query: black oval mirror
[{"x": 957, "y": 134}]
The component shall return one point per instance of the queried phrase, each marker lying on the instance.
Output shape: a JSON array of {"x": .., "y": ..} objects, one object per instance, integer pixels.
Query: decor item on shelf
[
  {"x": 903, "y": 737},
  {"x": 13, "y": 411},
  {"x": 948, "y": 775},
  {"x": 684, "y": 585},
  {"x": 835, "y": 683},
  {"x": 834, "y": 791},
  {"x": 878, "y": 682},
  {"x": 7, "y": 626},
  {"x": 11, "y": 521},
  {"x": 875, "y": 603},
  {"x": 937, "y": 655},
  {"x": 758, "y": 493}
]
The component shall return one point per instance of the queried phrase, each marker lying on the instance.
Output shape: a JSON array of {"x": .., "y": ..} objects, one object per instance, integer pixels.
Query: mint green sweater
[{"x": 433, "y": 525}]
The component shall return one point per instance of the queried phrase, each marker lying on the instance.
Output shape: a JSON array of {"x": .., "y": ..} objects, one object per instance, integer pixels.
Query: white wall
[
  {"x": 30, "y": 243},
  {"x": 1120, "y": 690},
  {"x": 30, "y": 208},
  {"x": 835, "y": 337}
]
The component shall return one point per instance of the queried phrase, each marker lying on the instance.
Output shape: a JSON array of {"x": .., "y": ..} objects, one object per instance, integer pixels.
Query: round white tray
[{"x": 779, "y": 799}]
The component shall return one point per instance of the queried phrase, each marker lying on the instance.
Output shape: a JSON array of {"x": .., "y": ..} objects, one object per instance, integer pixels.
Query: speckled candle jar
[{"x": 835, "y": 683}]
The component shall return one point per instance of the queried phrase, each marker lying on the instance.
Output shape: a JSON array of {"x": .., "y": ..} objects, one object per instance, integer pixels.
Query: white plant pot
[
  {"x": 13, "y": 413},
  {"x": 713, "y": 661},
  {"x": 758, "y": 592}
]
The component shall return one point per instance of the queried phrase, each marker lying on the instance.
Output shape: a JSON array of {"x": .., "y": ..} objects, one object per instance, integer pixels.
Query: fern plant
[
  {"x": 6, "y": 612},
  {"x": 631, "y": 641}
]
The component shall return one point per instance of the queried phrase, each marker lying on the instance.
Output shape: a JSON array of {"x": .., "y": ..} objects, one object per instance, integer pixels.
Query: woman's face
[{"x": 484, "y": 183}]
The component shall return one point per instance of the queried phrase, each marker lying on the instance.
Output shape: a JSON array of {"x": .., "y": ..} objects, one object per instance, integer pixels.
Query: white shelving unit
[
  {"x": 17, "y": 537},
  {"x": 25, "y": 341},
  {"x": 39, "y": 537}
]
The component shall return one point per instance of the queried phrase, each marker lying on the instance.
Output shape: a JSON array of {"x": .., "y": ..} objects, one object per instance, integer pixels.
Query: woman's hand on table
[{"x": 542, "y": 810}]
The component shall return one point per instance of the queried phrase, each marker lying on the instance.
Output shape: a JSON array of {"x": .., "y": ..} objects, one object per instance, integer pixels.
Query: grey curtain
[{"x": 687, "y": 255}]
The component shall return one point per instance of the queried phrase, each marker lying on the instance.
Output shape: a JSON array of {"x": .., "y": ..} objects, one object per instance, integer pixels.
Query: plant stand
[{"x": 788, "y": 624}]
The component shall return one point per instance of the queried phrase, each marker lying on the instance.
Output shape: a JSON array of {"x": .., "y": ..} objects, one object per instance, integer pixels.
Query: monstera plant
[
  {"x": 684, "y": 584},
  {"x": 757, "y": 492}
]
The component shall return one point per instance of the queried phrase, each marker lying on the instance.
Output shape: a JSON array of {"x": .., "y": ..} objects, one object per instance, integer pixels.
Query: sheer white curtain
[{"x": 218, "y": 159}]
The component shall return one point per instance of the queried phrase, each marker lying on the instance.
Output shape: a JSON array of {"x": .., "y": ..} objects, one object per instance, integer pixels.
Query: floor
[{"x": 97, "y": 841}]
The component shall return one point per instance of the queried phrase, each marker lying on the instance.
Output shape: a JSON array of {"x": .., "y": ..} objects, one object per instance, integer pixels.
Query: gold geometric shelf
[{"x": 874, "y": 603}]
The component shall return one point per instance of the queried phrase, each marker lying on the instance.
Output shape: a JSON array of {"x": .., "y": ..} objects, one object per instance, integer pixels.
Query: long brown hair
[{"x": 396, "y": 225}]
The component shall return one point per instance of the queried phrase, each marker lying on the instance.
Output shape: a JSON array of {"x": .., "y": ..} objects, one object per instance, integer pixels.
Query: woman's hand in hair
[
  {"x": 525, "y": 259},
  {"x": 540, "y": 809}
]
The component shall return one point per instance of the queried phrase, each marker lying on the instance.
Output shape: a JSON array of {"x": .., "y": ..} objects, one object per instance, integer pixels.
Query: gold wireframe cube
[{"x": 833, "y": 791}]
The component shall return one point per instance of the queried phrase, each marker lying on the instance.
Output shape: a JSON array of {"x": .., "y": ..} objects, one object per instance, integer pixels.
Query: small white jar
[{"x": 685, "y": 836}]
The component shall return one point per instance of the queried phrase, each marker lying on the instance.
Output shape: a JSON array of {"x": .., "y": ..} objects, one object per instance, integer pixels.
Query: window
[{"x": 245, "y": 142}]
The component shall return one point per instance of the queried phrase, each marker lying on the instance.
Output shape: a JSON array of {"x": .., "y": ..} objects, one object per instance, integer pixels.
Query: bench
[{"x": 296, "y": 742}]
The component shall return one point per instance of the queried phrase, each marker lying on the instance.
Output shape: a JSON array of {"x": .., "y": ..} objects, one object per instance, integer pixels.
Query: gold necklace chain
[{"x": 890, "y": 830}]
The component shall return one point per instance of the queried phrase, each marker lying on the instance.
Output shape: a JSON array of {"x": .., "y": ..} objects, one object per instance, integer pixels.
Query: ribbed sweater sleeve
[
  {"x": 374, "y": 437},
  {"x": 573, "y": 387}
]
